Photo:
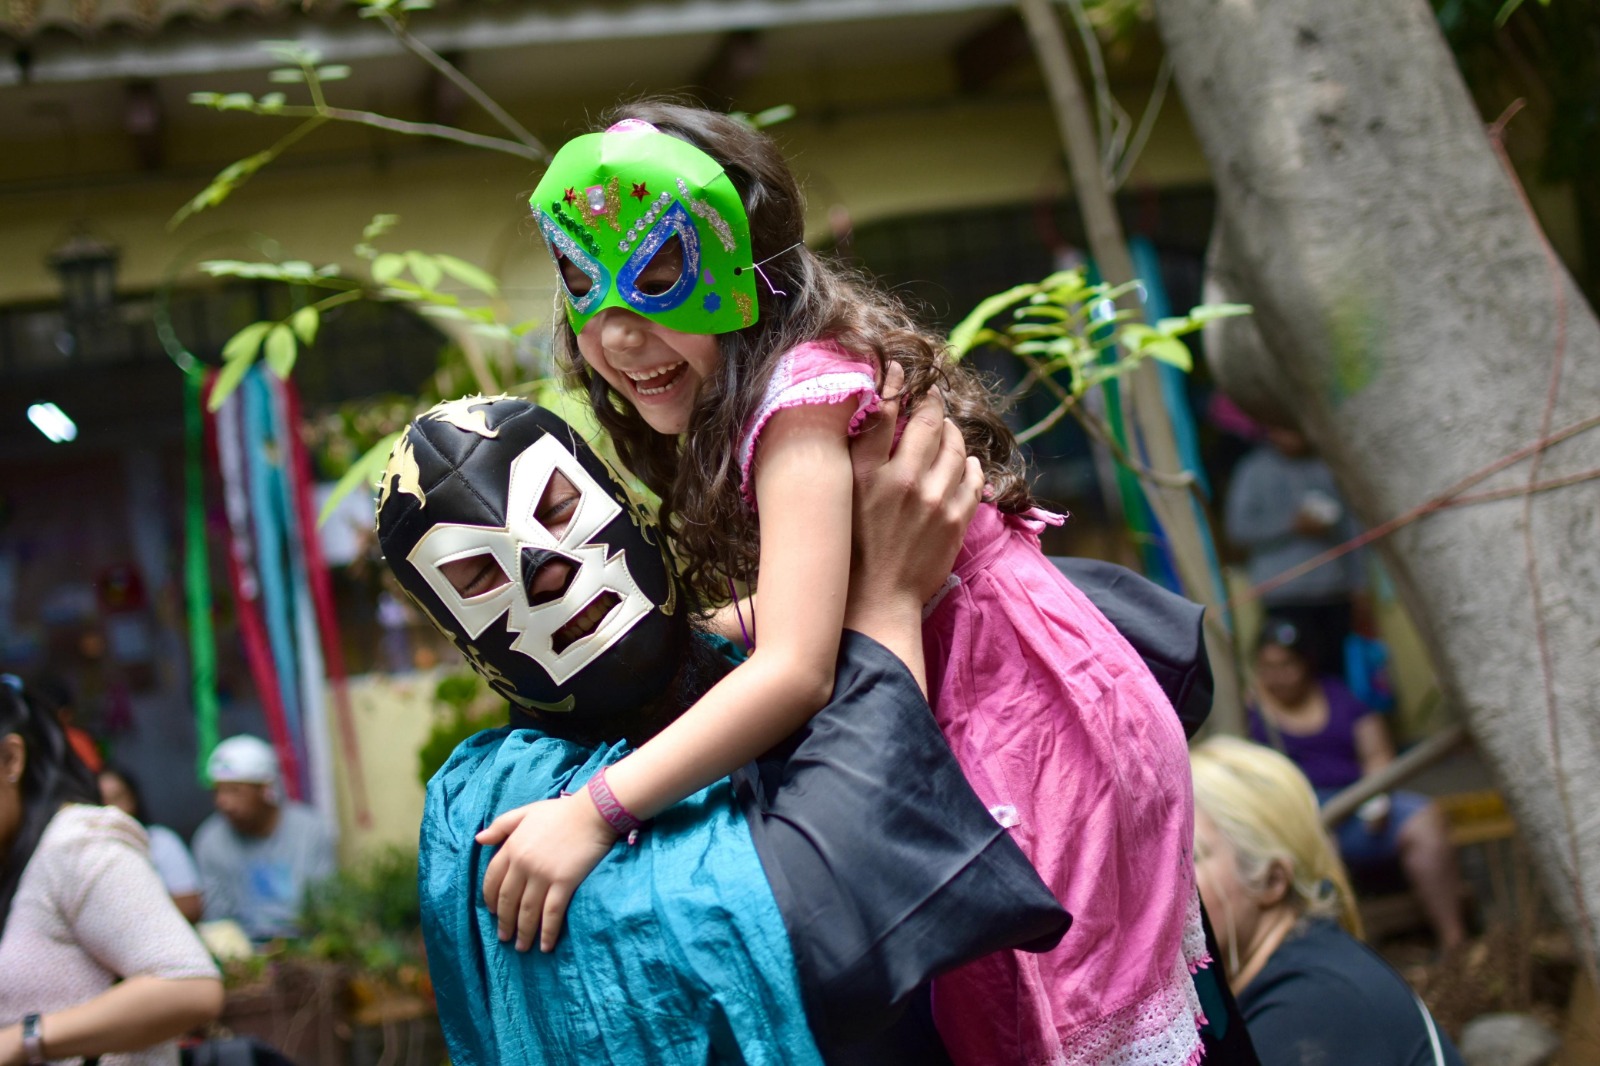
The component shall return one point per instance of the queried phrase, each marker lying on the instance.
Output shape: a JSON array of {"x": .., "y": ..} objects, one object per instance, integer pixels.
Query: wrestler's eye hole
[
  {"x": 573, "y": 279},
  {"x": 664, "y": 269},
  {"x": 474, "y": 575},
  {"x": 557, "y": 504}
]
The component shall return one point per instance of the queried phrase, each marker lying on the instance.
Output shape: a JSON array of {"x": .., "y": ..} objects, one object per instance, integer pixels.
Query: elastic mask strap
[
  {"x": 748, "y": 634},
  {"x": 757, "y": 268}
]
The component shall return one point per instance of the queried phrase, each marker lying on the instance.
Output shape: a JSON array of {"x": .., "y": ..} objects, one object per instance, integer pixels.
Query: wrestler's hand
[
  {"x": 910, "y": 514},
  {"x": 546, "y": 850},
  {"x": 911, "y": 507}
]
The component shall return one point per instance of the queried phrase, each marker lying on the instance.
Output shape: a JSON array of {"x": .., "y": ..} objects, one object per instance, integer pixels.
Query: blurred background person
[
  {"x": 54, "y": 695},
  {"x": 168, "y": 853},
  {"x": 1336, "y": 740},
  {"x": 258, "y": 853},
  {"x": 1287, "y": 924},
  {"x": 95, "y": 961},
  {"x": 1283, "y": 509}
]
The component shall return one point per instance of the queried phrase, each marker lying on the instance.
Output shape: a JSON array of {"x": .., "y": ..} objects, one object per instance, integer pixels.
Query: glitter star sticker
[
  {"x": 639, "y": 191},
  {"x": 570, "y": 196}
]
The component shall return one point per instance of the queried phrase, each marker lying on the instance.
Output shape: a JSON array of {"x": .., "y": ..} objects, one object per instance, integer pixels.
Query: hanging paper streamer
[
  {"x": 197, "y": 567},
  {"x": 307, "y": 639},
  {"x": 270, "y": 527},
  {"x": 1148, "y": 540},
  {"x": 242, "y": 574},
  {"x": 322, "y": 596}
]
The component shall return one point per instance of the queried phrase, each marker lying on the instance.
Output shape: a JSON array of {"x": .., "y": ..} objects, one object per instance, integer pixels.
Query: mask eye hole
[
  {"x": 558, "y": 503},
  {"x": 664, "y": 269},
  {"x": 474, "y": 575},
  {"x": 573, "y": 279}
]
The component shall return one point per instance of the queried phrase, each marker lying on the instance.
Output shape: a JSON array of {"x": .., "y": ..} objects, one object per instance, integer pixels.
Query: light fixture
[
  {"x": 53, "y": 422},
  {"x": 87, "y": 267}
]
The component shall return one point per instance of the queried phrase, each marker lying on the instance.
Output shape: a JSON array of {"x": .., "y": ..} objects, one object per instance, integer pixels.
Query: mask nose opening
[{"x": 533, "y": 560}]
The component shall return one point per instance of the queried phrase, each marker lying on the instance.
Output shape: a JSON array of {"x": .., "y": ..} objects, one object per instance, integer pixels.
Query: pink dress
[{"x": 1065, "y": 735}]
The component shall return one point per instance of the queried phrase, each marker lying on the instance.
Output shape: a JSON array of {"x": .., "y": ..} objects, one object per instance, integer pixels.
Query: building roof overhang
[{"x": 65, "y": 41}]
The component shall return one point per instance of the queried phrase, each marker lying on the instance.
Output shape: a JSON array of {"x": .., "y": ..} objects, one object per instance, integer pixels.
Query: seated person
[
  {"x": 258, "y": 853},
  {"x": 1336, "y": 740},
  {"x": 168, "y": 853},
  {"x": 1310, "y": 992},
  {"x": 881, "y": 866}
]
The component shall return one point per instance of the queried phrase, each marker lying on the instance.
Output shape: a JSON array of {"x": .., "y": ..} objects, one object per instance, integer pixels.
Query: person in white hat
[{"x": 259, "y": 852}]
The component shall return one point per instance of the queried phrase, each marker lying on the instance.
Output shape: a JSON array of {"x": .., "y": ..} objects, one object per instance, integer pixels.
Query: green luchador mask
[{"x": 609, "y": 203}]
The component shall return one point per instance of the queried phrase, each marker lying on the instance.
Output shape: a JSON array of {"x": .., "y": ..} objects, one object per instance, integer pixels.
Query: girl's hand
[{"x": 546, "y": 850}]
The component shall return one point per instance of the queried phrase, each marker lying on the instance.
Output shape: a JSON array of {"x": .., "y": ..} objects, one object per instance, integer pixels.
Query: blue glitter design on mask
[
  {"x": 712, "y": 302},
  {"x": 674, "y": 221},
  {"x": 596, "y": 271}
]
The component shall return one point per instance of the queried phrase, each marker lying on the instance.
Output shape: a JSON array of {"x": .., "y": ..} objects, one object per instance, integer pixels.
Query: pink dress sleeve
[{"x": 817, "y": 372}]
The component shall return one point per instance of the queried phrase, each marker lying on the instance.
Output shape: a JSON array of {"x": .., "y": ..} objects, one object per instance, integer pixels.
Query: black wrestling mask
[{"x": 528, "y": 553}]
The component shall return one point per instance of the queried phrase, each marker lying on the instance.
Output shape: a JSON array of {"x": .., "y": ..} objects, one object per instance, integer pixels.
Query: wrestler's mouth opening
[{"x": 585, "y": 622}]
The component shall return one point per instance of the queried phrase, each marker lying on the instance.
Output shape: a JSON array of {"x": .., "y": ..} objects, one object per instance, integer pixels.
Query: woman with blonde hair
[{"x": 1287, "y": 924}]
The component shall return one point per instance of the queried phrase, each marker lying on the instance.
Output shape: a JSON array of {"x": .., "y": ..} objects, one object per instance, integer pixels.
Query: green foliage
[
  {"x": 1072, "y": 337},
  {"x": 481, "y": 314},
  {"x": 368, "y": 916},
  {"x": 466, "y": 707}
]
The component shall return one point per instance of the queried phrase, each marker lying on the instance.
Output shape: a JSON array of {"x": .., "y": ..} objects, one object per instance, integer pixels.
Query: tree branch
[{"x": 438, "y": 62}]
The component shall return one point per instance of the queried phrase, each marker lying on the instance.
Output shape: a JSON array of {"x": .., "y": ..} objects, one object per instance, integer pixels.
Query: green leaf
[
  {"x": 281, "y": 350},
  {"x": 364, "y": 471},
  {"x": 333, "y": 72},
  {"x": 387, "y": 267},
  {"x": 227, "y": 380},
  {"x": 454, "y": 314},
  {"x": 236, "y": 102},
  {"x": 1136, "y": 335},
  {"x": 305, "y": 322},
  {"x": 416, "y": 5},
  {"x": 772, "y": 116},
  {"x": 290, "y": 51},
  {"x": 297, "y": 268},
  {"x": 468, "y": 274},
  {"x": 242, "y": 346},
  {"x": 273, "y": 102},
  {"x": 231, "y": 177},
  {"x": 424, "y": 269},
  {"x": 204, "y": 99},
  {"x": 961, "y": 338},
  {"x": 1208, "y": 312},
  {"x": 1171, "y": 351},
  {"x": 379, "y": 225},
  {"x": 287, "y": 76}
]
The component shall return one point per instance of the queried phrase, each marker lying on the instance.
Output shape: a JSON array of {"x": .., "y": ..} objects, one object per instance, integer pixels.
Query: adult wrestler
[{"x": 784, "y": 917}]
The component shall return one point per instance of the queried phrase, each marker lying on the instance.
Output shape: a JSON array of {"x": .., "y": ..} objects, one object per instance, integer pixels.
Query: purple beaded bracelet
[{"x": 611, "y": 809}]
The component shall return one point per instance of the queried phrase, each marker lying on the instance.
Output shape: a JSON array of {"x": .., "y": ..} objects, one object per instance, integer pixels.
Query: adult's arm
[
  {"x": 130, "y": 1016},
  {"x": 911, "y": 511},
  {"x": 119, "y": 913}
]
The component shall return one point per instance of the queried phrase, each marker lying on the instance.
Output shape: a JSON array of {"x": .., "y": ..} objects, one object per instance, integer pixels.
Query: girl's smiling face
[{"x": 656, "y": 369}]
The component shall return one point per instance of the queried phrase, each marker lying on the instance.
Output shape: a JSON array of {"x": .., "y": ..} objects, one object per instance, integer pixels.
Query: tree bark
[{"x": 1412, "y": 313}]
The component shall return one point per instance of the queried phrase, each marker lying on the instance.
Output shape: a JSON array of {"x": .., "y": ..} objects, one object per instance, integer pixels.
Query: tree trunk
[{"x": 1412, "y": 312}]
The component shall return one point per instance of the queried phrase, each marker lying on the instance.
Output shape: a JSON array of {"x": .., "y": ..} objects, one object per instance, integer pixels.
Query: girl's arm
[
  {"x": 804, "y": 482},
  {"x": 130, "y": 1016}
]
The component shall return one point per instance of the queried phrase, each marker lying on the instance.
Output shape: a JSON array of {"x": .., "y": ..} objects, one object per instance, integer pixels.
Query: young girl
[{"x": 730, "y": 366}]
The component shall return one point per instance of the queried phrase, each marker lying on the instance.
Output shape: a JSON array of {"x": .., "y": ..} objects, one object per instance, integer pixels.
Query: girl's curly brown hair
[{"x": 715, "y": 532}]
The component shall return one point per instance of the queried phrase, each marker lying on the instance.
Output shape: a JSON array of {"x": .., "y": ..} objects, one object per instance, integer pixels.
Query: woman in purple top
[{"x": 1336, "y": 740}]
